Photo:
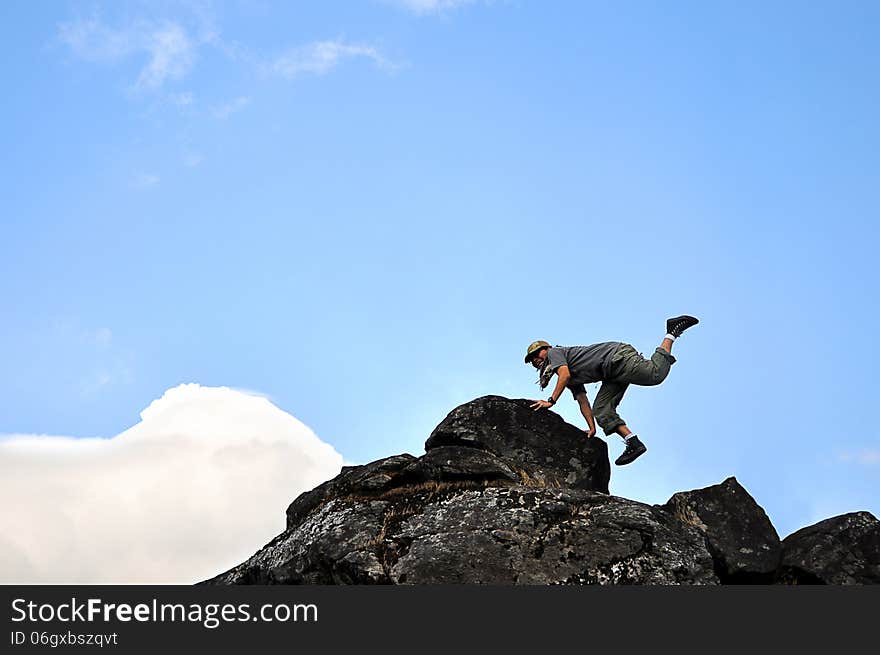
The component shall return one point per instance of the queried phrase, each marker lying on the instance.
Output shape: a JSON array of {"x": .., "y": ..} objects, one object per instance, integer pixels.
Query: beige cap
[{"x": 534, "y": 347}]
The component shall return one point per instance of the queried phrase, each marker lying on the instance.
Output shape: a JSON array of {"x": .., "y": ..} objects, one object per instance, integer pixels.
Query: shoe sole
[
  {"x": 692, "y": 320},
  {"x": 620, "y": 461},
  {"x": 684, "y": 317}
]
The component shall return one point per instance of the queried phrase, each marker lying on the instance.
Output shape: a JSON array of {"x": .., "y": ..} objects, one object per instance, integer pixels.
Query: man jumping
[{"x": 616, "y": 365}]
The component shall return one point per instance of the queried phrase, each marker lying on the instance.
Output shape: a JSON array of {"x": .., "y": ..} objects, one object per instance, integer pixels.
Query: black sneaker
[
  {"x": 675, "y": 326},
  {"x": 634, "y": 448}
]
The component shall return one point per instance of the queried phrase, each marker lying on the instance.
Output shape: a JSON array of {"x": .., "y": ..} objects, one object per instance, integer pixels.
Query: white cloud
[
  {"x": 431, "y": 6},
  {"x": 321, "y": 57},
  {"x": 196, "y": 487},
  {"x": 225, "y": 111},
  {"x": 171, "y": 56},
  {"x": 169, "y": 50},
  {"x": 93, "y": 41}
]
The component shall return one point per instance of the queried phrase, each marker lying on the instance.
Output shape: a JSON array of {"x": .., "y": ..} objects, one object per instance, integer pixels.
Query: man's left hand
[{"x": 540, "y": 404}]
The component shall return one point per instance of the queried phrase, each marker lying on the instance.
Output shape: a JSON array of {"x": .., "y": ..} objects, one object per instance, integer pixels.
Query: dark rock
[
  {"x": 459, "y": 463},
  {"x": 519, "y": 445},
  {"x": 739, "y": 535},
  {"x": 841, "y": 550},
  {"x": 513, "y": 535},
  {"x": 372, "y": 477},
  {"x": 524, "y": 535},
  {"x": 336, "y": 544},
  {"x": 540, "y": 446}
]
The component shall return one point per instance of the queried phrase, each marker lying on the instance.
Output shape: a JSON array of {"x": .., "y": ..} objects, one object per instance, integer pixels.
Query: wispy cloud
[
  {"x": 103, "y": 336},
  {"x": 108, "y": 368},
  {"x": 321, "y": 57},
  {"x": 168, "y": 48},
  {"x": 145, "y": 181},
  {"x": 191, "y": 159},
  {"x": 182, "y": 99},
  {"x": 102, "y": 379},
  {"x": 171, "y": 57},
  {"x": 93, "y": 41},
  {"x": 185, "y": 99},
  {"x": 225, "y": 111},
  {"x": 110, "y": 373},
  {"x": 866, "y": 457},
  {"x": 430, "y": 6}
]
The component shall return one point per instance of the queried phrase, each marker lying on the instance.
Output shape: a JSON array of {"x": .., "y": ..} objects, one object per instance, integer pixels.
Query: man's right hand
[{"x": 591, "y": 432}]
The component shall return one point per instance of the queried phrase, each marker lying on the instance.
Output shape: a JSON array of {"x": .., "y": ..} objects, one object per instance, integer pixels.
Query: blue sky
[{"x": 366, "y": 210}]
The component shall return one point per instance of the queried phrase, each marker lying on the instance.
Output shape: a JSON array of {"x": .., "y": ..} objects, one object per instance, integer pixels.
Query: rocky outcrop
[
  {"x": 540, "y": 444},
  {"x": 840, "y": 550},
  {"x": 739, "y": 535},
  {"x": 511, "y": 535},
  {"x": 507, "y": 495}
]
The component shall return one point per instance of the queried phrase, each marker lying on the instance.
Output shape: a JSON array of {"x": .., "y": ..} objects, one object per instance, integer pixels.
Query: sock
[
  {"x": 625, "y": 439},
  {"x": 670, "y": 336}
]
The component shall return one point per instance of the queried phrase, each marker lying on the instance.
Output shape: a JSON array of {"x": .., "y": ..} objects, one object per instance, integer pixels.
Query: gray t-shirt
[{"x": 585, "y": 363}]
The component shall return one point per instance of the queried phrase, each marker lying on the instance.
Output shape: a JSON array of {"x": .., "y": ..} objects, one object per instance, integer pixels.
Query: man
[{"x": 616, "y": 365}]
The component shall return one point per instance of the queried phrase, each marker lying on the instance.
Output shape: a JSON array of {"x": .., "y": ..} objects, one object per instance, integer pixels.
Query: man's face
[{"x": 539, "y": 359}]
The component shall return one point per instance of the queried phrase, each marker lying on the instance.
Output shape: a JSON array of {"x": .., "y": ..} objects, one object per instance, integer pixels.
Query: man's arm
[
  {"x": 584, "y": 403},
  {"x": 563, "y": 375}
]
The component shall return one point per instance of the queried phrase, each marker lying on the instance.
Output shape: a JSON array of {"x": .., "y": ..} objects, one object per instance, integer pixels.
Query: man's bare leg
[
  {"x": 623, "y": 431},
  {"x": 666, "y": 345}
]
